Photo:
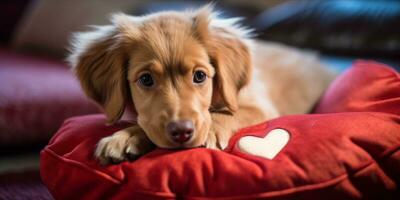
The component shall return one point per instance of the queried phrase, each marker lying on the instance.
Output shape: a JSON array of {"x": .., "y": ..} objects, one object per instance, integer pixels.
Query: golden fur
[{"x": 172, "y": 45}]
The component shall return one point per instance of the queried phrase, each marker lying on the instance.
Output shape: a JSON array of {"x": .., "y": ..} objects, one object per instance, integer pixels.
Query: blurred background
[{"x": 38, "y": 91}]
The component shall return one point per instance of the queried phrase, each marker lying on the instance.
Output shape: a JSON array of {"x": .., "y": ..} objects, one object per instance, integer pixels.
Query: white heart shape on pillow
[{"x": 267, "y": 147}]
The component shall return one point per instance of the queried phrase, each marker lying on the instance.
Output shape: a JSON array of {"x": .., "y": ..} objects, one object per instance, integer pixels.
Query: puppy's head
[{"x": 172, "y": 66}]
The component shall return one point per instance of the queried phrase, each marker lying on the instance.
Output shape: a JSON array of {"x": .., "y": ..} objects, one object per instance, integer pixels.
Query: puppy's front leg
[
  {"x": 126, "y": 144},
  {"x": 222, "y": 128},
  {"x": 225, "y": 124}
]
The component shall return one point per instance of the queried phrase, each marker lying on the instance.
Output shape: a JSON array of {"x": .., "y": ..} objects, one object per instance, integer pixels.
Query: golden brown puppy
[{"x": 190, "y": 78}]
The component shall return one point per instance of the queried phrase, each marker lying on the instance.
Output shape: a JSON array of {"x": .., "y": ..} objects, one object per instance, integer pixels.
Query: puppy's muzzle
[{"x": 180, "y": 131}]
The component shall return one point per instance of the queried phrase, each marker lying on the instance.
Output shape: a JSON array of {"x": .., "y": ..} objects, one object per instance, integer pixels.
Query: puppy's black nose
[{"x": 180, "y": 131}]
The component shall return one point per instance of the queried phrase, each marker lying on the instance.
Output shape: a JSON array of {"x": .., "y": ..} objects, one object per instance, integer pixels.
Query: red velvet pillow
[
  {"x": 367, "y": 86},
  {"x": 326, "y": 156}
]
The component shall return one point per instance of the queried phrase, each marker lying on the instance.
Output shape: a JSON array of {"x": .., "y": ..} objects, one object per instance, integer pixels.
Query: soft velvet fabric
[
  {"x": 368, "y": 86},
  {"x": 36, "y": 96},
  {"x": 335, "y": 155}
]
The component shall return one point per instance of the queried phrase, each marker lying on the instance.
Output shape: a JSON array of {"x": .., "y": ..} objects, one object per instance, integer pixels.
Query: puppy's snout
[{"x": 180, "y": 131}]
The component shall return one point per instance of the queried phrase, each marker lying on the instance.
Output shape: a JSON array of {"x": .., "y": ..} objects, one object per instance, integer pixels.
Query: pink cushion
[
  {"x": 36, "y": 95},
  {"x": 327, "y": 156}
]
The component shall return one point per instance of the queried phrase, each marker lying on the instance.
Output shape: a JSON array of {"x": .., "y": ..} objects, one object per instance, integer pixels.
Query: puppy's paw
[
  {"x": 217, "y": 140},
  {"x": 126, "y": 144},
  {"x": 211, "y": 142}
]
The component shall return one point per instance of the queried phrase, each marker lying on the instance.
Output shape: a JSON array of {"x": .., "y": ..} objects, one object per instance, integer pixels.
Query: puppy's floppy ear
[
  {"x": 99, "y": 59},
  {"x": 228, "y": 53}
]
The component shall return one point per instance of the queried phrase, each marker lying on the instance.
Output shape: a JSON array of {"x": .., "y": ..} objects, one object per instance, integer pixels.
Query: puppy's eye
[
  {"x": 199, "y": 77},
  {"x": 146, "y": 80}
]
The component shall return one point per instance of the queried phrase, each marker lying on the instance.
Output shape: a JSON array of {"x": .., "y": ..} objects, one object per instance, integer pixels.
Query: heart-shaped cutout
[{"x": 267, "y": 147}]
